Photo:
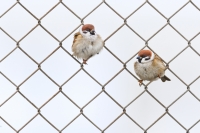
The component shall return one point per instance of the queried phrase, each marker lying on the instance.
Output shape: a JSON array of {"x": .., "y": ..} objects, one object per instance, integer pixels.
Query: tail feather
[{"x": 164, "y": 78}]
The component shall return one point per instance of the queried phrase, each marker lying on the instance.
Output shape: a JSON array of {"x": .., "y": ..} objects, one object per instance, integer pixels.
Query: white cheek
[
  {"x": 89, "y": 36},
  {"x": 145, "y": 61},
  {"x": 86, "y": 35}
]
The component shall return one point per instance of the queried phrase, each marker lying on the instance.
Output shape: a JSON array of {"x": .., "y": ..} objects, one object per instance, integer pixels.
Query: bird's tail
[{"x": 164, "y": 78}]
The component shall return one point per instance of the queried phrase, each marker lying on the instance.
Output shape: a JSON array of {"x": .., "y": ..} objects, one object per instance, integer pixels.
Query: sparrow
[
  {"x": 86, "y": 43},
  {"x": 149, "y": 67}
]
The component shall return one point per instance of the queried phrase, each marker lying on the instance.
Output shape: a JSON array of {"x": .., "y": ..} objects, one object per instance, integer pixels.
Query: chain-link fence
[{"x": 82, "y": 69}]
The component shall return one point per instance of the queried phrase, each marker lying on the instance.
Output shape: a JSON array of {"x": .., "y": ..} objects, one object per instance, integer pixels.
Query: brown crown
[
  {"x": 88, "y": 27},
  {"x": 145, "y": 53}
]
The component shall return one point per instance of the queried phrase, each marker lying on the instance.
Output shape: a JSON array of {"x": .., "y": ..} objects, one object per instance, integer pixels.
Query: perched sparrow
[
  {"x": 149, "y": 67},
  {"x": 86, "y": 43}
]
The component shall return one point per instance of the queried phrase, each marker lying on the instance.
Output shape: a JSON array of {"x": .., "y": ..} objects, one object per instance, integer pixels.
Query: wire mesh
[{"x": 60, "y": 91}]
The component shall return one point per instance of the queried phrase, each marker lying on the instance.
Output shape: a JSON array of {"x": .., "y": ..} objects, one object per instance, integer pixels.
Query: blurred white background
[{"x": 28, "y": 111}]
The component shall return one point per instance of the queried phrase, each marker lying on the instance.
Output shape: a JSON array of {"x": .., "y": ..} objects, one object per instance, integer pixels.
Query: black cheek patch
[{"x": 147, "y": 58}]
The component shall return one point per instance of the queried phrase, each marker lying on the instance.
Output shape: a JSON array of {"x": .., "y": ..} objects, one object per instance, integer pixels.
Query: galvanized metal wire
[{"x": 124, "y": 68}]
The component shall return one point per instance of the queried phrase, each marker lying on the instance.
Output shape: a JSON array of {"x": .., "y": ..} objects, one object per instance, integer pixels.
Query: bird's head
[
  {"x": 88, "y": 32},
  {"x": 145, "y": 56}
]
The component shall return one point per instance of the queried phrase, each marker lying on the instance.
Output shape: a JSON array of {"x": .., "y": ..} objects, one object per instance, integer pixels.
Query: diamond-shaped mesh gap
[{"x": 43, "y": 88}]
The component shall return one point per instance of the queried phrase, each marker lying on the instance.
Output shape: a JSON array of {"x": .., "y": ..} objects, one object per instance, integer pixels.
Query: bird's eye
[{"x": 84, "y": 32}]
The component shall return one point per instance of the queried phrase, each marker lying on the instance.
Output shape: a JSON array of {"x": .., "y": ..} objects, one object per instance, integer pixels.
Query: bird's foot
[
  {"x": 85, "y": 62},
  {"x": 140, "y": 82}
]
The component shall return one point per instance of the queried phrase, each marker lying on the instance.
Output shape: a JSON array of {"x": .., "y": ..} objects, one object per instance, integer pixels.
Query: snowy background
[{"x": 40, "y": 93}]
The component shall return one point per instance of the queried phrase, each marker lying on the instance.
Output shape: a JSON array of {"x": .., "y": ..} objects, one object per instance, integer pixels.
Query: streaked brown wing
[
  {"x": 158, "y": 59},
  {"x": 76, "y": 36}
]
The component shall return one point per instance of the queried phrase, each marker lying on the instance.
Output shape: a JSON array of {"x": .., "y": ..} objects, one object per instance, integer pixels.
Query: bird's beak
[{"x": 139, "y": 59}]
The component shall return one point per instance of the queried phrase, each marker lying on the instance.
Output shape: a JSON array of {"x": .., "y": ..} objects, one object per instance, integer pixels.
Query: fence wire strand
[{"x": 39, "y": 68}]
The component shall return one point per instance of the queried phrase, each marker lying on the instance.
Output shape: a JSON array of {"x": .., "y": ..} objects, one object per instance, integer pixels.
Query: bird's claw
[
  {"x": 140, "y": 82},
  {"x": 84, "y": 62}
]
